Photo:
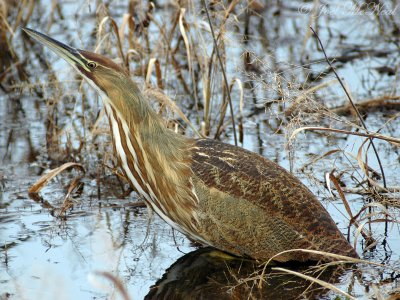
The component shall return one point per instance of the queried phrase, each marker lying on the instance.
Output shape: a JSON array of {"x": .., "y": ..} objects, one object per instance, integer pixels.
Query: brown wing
[{"x": 285, "y": 206}]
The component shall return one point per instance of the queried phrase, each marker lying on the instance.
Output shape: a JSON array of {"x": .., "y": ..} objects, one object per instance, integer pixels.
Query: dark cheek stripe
[{"x": 87, "y": 74}]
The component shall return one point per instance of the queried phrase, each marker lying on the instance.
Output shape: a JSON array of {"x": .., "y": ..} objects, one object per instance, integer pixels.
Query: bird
[{"x": 215, "y": 193}]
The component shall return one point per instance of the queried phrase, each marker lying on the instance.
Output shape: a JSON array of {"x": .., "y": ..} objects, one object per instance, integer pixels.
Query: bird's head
[{"x": 108, "y": 78}]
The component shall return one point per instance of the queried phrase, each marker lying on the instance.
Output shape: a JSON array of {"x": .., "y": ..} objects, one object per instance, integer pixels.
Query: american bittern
[{"x": 215, "y": 193}]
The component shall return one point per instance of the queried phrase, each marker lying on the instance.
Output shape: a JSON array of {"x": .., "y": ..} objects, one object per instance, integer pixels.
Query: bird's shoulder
[{"x": 241, "y": 172}]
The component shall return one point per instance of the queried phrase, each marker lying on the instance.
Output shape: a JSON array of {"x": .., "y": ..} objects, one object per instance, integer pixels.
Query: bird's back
[{"x": 251, "y": 206}]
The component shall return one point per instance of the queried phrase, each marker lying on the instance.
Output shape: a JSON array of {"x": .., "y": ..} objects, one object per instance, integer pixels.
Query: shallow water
[{"x": 46, "y": 257}]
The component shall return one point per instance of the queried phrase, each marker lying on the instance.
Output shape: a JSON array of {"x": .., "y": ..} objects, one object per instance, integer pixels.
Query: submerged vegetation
[{"x": 327, "y": 110}]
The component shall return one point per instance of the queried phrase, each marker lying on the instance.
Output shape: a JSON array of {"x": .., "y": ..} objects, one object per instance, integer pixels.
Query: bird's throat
[{"x": 156, "y": 162}]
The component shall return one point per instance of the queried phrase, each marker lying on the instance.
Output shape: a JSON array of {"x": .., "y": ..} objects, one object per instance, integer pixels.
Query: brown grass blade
[
  {"x": 334, "y": 180},
  {"x": 154, "y": 62},
  {"x": 126, "y": 19},
  {"x": 114, "y": 26},
  {"x": 34, "y": 189},
  {"x": 165, "y": 100},
  {"x": 117, "y": 283},
  {"x": 364, "y": 166},
  {"x": 316, "y": 280},
  {"x": 185, "y": 39},
  {"x": 327, "y": 254},
  {"x": 67, "y": 202},
  {"x": 321, "y": 157}
]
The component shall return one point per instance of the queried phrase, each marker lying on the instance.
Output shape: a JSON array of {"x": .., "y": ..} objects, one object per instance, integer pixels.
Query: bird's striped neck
[{"x": 156, "y": 162}]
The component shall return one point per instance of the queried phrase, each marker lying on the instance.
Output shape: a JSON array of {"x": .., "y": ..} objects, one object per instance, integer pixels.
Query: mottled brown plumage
[
  {"x": 215, "y": 193},
  {"x": 251, "y": 206}
]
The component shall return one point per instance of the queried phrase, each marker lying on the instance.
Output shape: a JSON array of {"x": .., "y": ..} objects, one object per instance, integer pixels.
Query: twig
[
  {"x": 353, "y": 105},
  {"x": 361, "y": 191},
  {"x": 384, "y": 101},
  {"x": 223, "y": 71},
  {"x": 369, "y": 134}
]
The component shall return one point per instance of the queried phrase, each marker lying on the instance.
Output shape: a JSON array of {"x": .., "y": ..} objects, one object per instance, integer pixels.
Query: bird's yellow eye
[{"x": 91, "y": 64}]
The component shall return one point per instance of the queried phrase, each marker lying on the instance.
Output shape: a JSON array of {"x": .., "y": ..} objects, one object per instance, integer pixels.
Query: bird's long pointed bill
[{"x": 71, "y": 55}]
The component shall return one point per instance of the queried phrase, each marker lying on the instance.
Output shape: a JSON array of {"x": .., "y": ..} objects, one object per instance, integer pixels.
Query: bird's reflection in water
[{"x": 209, "y": 274}]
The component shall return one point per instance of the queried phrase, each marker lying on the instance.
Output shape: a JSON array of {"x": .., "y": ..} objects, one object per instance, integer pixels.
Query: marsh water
[{"x": 105, "y": 237}]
